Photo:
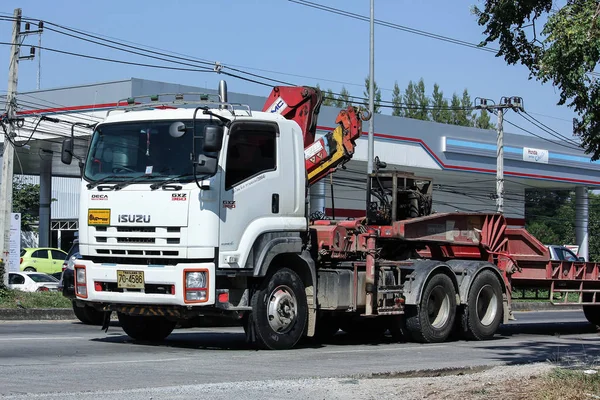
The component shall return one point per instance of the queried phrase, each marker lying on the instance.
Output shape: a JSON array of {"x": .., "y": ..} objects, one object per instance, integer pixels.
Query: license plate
[{"x": 130, "y": 279}]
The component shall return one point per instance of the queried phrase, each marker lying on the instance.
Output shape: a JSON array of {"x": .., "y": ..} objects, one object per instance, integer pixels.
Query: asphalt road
[{"x": 63, "y": 359}]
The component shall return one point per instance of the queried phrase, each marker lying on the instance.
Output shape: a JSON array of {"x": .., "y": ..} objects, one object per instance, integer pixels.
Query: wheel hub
[
  {"x": 487, "y": 305},
  {"x": 282, "y": 309},
  {"x": 438, "y": 307}
]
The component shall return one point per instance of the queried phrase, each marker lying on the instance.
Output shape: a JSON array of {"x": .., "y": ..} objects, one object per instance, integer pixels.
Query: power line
[
  {"x": 548, "y": 129},
  {"x": 359, "y": 17},
  {"x": 113, "y": 60}
]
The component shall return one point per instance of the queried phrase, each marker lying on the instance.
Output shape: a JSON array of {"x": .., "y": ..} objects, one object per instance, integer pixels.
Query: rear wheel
[
  {"x": 29, "y": 269},
  {"x": 432, "y": 320},
  {"x": 146, "y": 327},
  {"x": 279, "y": 311},
  {"x": 592, "y": 314},
  {"x": 484, "y": 307}
]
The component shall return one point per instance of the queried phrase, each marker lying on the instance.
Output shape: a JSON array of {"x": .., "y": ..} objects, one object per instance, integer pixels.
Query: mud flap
[
  {"x": 106, "y": 322},
  {"x": 312, "y": 311}
]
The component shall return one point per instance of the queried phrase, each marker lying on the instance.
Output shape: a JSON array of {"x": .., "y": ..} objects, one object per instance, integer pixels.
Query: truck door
[{"x": 250, "y": 190}]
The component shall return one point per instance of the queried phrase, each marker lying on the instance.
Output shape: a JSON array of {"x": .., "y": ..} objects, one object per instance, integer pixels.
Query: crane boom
[{"x": 302, "y": 104}]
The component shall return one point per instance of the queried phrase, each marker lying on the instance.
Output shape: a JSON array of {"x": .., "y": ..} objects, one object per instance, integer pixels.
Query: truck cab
[{"x": 562, "y": 253}]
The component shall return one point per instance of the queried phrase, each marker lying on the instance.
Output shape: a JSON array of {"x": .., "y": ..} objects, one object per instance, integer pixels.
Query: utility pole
[
  {"x": 8, "y": 150},
  {"x": 500, "y": 163},
  {"x": 371, "y": 145},
  {"x": 516, "y": 104},
  {"x": 9, "y": 123}
]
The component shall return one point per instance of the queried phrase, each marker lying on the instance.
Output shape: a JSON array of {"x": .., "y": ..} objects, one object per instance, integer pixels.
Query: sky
[{"x": 282, "y": 40}]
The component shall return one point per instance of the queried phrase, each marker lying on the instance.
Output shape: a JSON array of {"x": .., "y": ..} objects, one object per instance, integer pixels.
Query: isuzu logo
[{"x": 132, "y": 218}]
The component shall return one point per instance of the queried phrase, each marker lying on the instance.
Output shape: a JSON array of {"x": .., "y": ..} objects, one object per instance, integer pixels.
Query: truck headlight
[
  {"x": 80, "y": 285},
  {"x": 196, "y": 286},
  {"x": 80, "y": 275},
  {"x": 195, "y": 280}
]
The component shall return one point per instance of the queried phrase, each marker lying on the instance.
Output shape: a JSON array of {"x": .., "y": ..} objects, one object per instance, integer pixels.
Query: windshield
[
  {"x": 41, "y": 278},
  {"x": 161, "y": 148}
]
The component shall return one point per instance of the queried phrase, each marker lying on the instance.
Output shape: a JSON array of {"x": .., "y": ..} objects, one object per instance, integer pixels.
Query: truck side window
[{"x": 249, "y": 153}]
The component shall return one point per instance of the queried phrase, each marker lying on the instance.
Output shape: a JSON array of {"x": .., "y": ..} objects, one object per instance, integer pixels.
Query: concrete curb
[
  {"x": 16, "y": 314},
  {"x": 543, "y": 306}
]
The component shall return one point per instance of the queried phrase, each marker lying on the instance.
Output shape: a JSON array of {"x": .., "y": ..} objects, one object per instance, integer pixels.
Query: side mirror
[
  {"x": 213, "y": 138},
  {"x": 581, "y": 259},
  {"x": 66, "y": 155},
  {"x": 206, "y": 165}
]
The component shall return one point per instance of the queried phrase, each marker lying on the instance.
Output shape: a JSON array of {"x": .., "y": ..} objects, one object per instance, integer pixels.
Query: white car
[{"x": 32, "y": 282}]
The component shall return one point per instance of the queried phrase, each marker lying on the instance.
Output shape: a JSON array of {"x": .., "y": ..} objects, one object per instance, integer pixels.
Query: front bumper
[{"x": 163, "y": 285}]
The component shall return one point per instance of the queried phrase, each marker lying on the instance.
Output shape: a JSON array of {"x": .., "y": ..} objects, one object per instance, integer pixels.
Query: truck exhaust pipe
[{"x": 223, "y": 91}]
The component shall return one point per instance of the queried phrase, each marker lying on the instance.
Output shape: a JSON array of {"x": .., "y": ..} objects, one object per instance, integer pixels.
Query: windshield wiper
[
  {"x": 163, "y": 183},
  {"x": 99, "y": 181},
  {"x": 121, "y": 185}
]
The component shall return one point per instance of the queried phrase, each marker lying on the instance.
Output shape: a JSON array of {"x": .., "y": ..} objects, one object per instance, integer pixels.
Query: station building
[{"x": 460, "y": 160}]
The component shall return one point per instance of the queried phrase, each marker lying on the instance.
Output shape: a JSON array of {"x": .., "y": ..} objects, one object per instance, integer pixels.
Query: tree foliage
[
  {"x": 439, "y": 112},
  {"x": 422, "y": 101},
  {"x": 550, "y": 216},
  {"x": 483, "y": 121},
  {"x": 563, "y": 51},
  {"x": 343, "y": 100},
  {"x": 377, "y": 95},
  {"x": 397, "y": 111},
  {"x": 26, "y": 200}
]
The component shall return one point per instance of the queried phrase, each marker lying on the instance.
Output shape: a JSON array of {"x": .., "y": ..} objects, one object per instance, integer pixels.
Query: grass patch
[
  {"x": 18, "y": 299},
  {"x": 568, "y": 384}
]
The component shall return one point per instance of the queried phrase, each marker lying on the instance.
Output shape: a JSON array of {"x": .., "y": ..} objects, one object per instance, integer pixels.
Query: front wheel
[
  {"x": 146, "y": 327},
  {"x": 280, "y": 311},
  {"x": 432, "y": 320},
  {"x": 89, "y": 315}
]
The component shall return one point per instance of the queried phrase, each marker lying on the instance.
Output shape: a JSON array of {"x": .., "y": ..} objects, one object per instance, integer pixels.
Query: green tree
[
  {"x": 564, "y": 51},
  {"x": 456, "y": 114},
  {"x": 439, "y": 106},
  {"x": 377, "y": 95},
  {"x": 423, "y": 101},
  {"x": 397, "y": 111},
  {"x": 327, "y": 99},
  {"x": 468, "y": 117},
  {"x": 26, "y": 200},
  {"x": 483, "y": 121},
  {"x": 343, "y": 100},
  {"x": 411, "y": 101}
]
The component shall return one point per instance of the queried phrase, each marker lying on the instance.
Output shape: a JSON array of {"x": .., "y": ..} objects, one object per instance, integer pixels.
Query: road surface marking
[{"x": 41, "y": 338}]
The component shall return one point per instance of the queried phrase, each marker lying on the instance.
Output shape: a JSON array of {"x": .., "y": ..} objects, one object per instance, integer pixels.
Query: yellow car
[{"x": 42, "y": 259}]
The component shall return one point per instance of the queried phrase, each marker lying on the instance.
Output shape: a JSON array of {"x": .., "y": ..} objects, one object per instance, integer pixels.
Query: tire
[
  {"x": 88, "y": 315},
  {"x": 146, "y": 327},
  {"x": 483, "y": 308},
  {"x": 432, "y": 320},
  {"x": 279, "y": 311},
  {"x": 81, "y": 314},
  {"x": 592, "y": 314},
  {"x": 29, "y": 269}
]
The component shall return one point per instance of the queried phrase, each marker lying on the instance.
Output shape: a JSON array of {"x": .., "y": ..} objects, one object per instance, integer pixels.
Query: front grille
[
  {"x": 139, "y": 253},
  {"x": 154, "y": 240},
  {"x": 136, "y": 240},
  {"x": 147, "y": 260},
  {"x": 148, "y": 288},
  {"x": 136, "y": 229}
]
